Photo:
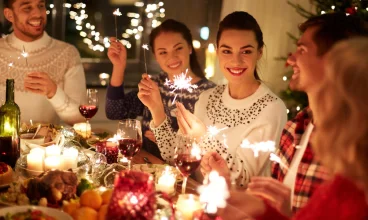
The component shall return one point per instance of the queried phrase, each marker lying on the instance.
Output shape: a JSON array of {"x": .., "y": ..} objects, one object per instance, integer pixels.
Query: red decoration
[{"x": 351, "y": 10}]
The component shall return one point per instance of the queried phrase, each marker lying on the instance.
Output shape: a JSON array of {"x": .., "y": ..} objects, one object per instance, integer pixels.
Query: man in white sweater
[{"x": 50, "y": 81}]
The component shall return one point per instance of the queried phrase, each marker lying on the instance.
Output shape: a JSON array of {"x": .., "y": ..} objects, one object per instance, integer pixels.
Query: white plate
[{"x": 59, "y": 215}]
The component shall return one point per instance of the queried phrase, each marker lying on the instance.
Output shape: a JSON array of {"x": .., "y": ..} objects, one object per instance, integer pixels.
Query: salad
[{"x": 27, "y": 215}]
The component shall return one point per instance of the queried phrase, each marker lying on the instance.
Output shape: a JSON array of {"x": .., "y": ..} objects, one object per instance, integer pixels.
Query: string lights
[{"x": 153, "y": 14}]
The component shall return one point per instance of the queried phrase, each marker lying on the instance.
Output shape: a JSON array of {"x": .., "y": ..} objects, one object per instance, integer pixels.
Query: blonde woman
[{"x": 340, "y": 141}]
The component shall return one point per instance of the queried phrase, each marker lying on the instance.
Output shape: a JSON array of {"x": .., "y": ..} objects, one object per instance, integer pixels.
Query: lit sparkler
[
  {"x": 214, "y": 193},
  {"x": 268, "y": 146},
  {"x": 213, "y": 130},
  {"x": 25, "y": 55},
  {"x": 180, "y": 82},
  {"x": 116, "y": 13},
  {"x": 277, "y": 159},
  {"x": 145, "y": 47}
]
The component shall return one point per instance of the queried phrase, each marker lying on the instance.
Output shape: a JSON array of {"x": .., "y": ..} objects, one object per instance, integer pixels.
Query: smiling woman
[{"x": 243, "y": 109}]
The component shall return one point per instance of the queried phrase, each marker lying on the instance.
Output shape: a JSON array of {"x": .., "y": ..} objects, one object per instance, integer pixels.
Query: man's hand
[
  {"x": 277, "y": 193},
  {"x": 40, "y": 83}
]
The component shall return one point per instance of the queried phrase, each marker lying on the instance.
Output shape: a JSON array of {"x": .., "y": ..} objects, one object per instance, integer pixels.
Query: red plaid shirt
[{"x": 310, "y": 172}]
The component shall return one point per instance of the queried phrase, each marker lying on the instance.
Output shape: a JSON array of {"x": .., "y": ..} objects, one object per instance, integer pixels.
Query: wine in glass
[
  {"x": 130, "y": 142},
  {"x": 187, "y": 158},
  {"x": 89, "y": 106}
]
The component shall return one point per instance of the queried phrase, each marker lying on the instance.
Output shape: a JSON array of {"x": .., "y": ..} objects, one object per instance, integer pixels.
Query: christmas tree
[{"x": 296, "y": 101}]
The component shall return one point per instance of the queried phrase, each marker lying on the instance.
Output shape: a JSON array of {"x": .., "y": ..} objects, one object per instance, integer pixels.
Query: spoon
[{"x": 38, "y": 129}]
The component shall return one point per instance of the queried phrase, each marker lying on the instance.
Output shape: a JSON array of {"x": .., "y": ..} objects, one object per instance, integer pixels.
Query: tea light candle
[
  {"x": 35, "y": 161},
  {"x": 186, "y": 205},
  {"x": 53, "y": 162},
  {"x": 38, "y": 151},
  {"x": 70, "y": 158},
  {"x": 166, "y": 182},
  {"x": 53, "y": 150},
  {"x": 83, "y": 129}
]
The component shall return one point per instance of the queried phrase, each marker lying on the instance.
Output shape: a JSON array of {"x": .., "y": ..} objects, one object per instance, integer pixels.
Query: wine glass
[
  {"x": 187, "y": 158},
  {"x": 130, "y": 142},
  {"x": 89, "y": 106}
]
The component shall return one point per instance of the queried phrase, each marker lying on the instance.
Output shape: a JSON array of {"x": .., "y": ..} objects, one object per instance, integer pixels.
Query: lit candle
[
  {"x": 166, "y": 182},
  {"x": 35, "y": 162},
  {"x": 70, "y": 158},
  {"x": 53, "y": 150},
  {"x": 53, "y": 163},
  {"x": 38, "y": 151},
  {"x": 186, "y": 205}
]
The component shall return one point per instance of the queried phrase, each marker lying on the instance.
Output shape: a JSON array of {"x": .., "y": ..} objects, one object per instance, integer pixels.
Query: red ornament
[{"x": 351, "y": 10}]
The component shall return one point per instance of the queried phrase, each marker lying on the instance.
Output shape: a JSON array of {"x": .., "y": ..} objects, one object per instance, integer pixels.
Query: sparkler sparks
[
  {"x": 180, "y": 82},
  {"x": 213, "y": 130},
  {"x": 277, "y": 159},
  {"x": 268, "y": 146},
  {"x": 25, "y": 55},
  {"x": 214, "y": 193},
  {"x": 145, "y": 47},
  {"x": 116, "y": 13}
]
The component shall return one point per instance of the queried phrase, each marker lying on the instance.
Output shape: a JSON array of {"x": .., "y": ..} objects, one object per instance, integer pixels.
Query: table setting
[{"x": 75, "y": 173}]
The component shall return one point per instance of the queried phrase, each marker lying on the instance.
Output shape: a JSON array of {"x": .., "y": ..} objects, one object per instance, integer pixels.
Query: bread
[{"x": 6, "y": 174}]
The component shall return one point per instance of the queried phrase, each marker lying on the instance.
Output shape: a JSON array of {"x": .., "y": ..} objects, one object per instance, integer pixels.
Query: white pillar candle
[
  {"x": 35, "y": 162},
  {"x": 186, "y": 205},
  {"x": 53, "y": 163},
  {"x": 70, "y": 158},
  {"x": 166, "y": 182},
  {"x": 53, "y": 150},
  {"x": 38, "y": 151}
]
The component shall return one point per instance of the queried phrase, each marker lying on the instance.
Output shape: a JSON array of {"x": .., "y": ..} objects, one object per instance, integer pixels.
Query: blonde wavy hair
[{"x": 341, "y": 112}]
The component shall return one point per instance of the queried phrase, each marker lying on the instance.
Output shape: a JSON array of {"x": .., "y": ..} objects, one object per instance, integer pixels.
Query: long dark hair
[
  {"x": 241, "y": 20},
  {"x": 171, "y": 25}
]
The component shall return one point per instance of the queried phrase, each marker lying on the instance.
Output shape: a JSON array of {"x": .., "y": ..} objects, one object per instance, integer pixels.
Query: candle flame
[
  {"x": 117, "y": 12},
  {"x": 268, "y": 146},
  {"x": 180, "y": 82},
  {"x": 214, "y": 193},
  {"x": 133, "y": 200}
]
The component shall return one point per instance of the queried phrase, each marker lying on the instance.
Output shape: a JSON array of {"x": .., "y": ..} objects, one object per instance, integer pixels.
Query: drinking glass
[
  {"x": 130, "y": 141},
  {"x": 89, "y": 106},
  {"x": 188, "y": 156}
]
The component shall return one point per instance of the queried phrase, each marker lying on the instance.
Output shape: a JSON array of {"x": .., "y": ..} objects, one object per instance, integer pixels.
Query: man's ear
[{"x": 9, "y": 15}]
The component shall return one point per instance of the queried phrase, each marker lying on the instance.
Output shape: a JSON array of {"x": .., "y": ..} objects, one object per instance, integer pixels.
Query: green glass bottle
[{"x": 9, "y": 127}]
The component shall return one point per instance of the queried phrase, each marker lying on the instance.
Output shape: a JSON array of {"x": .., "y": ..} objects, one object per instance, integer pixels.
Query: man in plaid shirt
[{"x": 302, "y": 173}]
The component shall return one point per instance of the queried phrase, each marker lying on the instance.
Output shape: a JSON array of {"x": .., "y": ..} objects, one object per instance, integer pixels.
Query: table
[{"x": 192, "y": 185}]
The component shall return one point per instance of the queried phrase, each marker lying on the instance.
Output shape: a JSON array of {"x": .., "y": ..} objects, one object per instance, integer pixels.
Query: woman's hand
[
  {"x": 117, "y": 53},
  {"x": 149, "y": 94},
  {"x": 118, "y": 56},
  {"x": 214, "y": 161},
  {"x": 188, "y": 123}
]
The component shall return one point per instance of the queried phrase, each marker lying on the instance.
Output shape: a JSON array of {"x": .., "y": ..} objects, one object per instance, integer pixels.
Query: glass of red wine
[
  {"x": 89, "y": 106},
  {"x": 187, "y": 158},
  {"x": 130, "y": 142}
]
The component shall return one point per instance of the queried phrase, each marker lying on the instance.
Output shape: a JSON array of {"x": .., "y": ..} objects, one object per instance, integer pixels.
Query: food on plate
[
  {"x": 102, "y": 212},
  {"x": 85, "y": 213},
  {"x": 83, "y": 186},
  {"x": 54, "y": 185},
  {"x": 6, "y": 174},
  {"x": 70, "y": 206},
  {"x": 91, "y": 198},
  {"x": 27, "y": 215},
  {"x": 106, "y": 196}
]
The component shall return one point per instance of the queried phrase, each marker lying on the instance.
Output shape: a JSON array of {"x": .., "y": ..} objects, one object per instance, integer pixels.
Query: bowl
[{"x": 58, "y": 215}]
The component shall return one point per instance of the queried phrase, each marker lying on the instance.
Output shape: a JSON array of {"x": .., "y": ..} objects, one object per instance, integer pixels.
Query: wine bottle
[{"x": 9, "y": 127}]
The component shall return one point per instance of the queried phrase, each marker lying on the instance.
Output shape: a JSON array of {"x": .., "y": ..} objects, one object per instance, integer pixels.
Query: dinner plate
[{"x": 59, "y": 215}]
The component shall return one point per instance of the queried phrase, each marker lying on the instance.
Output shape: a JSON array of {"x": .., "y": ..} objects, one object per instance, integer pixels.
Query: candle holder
[
  {"x": 110, "y": 149},
  {"x": 134, "y": 197},
  {"x": 165, "y": 180},
  {"x": 187, "y": 205}
]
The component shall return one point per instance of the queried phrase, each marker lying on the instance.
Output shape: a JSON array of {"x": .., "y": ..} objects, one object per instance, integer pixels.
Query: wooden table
[{"x": 192, "y": 185}]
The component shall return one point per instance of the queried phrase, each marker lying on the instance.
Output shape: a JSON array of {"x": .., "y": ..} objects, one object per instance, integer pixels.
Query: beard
[{"x": 23, "y": 29}]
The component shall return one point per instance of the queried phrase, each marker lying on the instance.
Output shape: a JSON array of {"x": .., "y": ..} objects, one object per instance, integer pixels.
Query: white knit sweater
[
  {"x": 257, "y": 118},
  {"x": 56, "y": 58}
]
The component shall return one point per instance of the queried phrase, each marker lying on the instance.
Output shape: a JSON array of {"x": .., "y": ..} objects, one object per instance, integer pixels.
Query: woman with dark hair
[
  {"x": 244, "y": 109},
  {"x": 171, "y": 44}
]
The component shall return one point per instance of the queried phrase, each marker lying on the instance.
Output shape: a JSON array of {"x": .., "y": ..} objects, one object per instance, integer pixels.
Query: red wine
[
  {"x": 129, "y": 147},
  {"x": 186, "y": 163},
  {"x": 88, "y": 111},
  {"x": 111, "y": 152},
  {"x": 9, "y": 150}
]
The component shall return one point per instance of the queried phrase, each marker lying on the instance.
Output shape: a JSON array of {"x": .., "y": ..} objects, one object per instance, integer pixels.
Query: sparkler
[
  {"x": 214, "y": 193},
  {"x": 180, "y": 82},
  {"x": 213, "y": 130},
  {"x": 268, "y": 146},
  {"x": 25, "y": 55},
  {"x": 277, "y": 159},
  {"x": 145, "y": 47},
  {"x": 116, "y": 13}
]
